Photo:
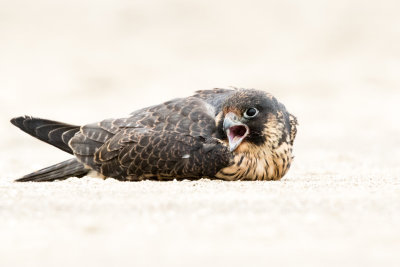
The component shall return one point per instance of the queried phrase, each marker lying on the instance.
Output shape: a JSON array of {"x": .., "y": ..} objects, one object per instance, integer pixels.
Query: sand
[{"x": 334, "y": 65}]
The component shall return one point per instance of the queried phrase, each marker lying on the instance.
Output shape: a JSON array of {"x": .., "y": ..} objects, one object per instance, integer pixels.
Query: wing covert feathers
[{"x": 161, "y": 155}]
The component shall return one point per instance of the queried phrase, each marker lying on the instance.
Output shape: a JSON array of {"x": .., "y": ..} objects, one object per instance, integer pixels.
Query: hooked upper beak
[{"x": 235, "y": 130}]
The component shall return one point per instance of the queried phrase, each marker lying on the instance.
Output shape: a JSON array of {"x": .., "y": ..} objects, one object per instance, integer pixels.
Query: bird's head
[{"x": 251, "y": 120}]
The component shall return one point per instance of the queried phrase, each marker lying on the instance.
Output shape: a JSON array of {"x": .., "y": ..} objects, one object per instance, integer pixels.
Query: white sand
[{"x": 335, "y": 65}]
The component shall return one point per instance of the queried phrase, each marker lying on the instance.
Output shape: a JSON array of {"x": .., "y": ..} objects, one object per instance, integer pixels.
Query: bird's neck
[{"x": 260, "y": 164}]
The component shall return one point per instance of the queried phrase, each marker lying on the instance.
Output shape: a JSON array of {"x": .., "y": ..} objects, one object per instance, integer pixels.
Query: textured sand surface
[{"x": 334, "y": 65}]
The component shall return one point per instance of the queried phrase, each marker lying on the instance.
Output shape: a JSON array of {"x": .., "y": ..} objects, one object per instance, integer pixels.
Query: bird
[{"x": 224, "y": 134}]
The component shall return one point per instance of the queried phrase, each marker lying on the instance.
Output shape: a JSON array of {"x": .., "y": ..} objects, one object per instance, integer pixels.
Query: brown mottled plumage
[{"x": 238, "y": 134}]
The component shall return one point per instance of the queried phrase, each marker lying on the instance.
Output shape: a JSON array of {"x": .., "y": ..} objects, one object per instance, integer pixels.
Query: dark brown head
[{"x": 254, "y": 120}]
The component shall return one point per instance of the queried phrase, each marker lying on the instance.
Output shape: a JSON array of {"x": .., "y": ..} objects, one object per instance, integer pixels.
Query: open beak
[{"x": 235, "y": 130}]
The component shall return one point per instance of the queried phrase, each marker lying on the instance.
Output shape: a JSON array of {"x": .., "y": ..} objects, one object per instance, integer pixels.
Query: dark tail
[
  {"x": 54, "y": 133},
  {"x": 60, "y": 171},
  {"x": 57, "y": 134}
]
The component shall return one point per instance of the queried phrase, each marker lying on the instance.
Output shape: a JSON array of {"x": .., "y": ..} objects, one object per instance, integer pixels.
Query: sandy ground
[{"x": 335, "y": 65}]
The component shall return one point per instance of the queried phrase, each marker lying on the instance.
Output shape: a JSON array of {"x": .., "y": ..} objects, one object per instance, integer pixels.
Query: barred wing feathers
[{"x": 171, "y": 140}]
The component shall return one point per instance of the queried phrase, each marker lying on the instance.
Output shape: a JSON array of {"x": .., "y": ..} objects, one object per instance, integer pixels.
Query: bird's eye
[{"x": 250, "y": 113}]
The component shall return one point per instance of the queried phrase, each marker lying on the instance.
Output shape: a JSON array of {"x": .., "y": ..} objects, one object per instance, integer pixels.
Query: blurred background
[{"x": 334, "y": 64}]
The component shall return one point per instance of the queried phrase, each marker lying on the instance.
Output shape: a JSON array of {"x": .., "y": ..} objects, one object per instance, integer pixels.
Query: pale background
[{"x": 334, "y": 64}]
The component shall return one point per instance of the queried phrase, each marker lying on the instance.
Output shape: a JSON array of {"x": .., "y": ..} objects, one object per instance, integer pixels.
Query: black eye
[{"x": 250, "y": 113}]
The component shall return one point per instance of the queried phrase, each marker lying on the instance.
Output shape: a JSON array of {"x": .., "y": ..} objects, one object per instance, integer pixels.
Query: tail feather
[
  {"x": 55, "y": 133},
  {"x": 60, "y": 171}
]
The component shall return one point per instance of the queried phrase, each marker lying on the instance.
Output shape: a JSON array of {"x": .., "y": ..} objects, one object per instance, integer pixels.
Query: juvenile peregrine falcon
[{"x": 240, "y": 134}]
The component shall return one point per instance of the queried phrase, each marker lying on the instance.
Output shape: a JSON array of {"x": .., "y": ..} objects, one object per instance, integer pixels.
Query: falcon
[{"x": 227, "y": 134}]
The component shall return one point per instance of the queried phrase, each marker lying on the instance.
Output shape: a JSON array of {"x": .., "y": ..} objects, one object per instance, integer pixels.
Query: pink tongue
[
  {"x": 236, "y": 135},
  {"x": 237, "y": 132}
]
